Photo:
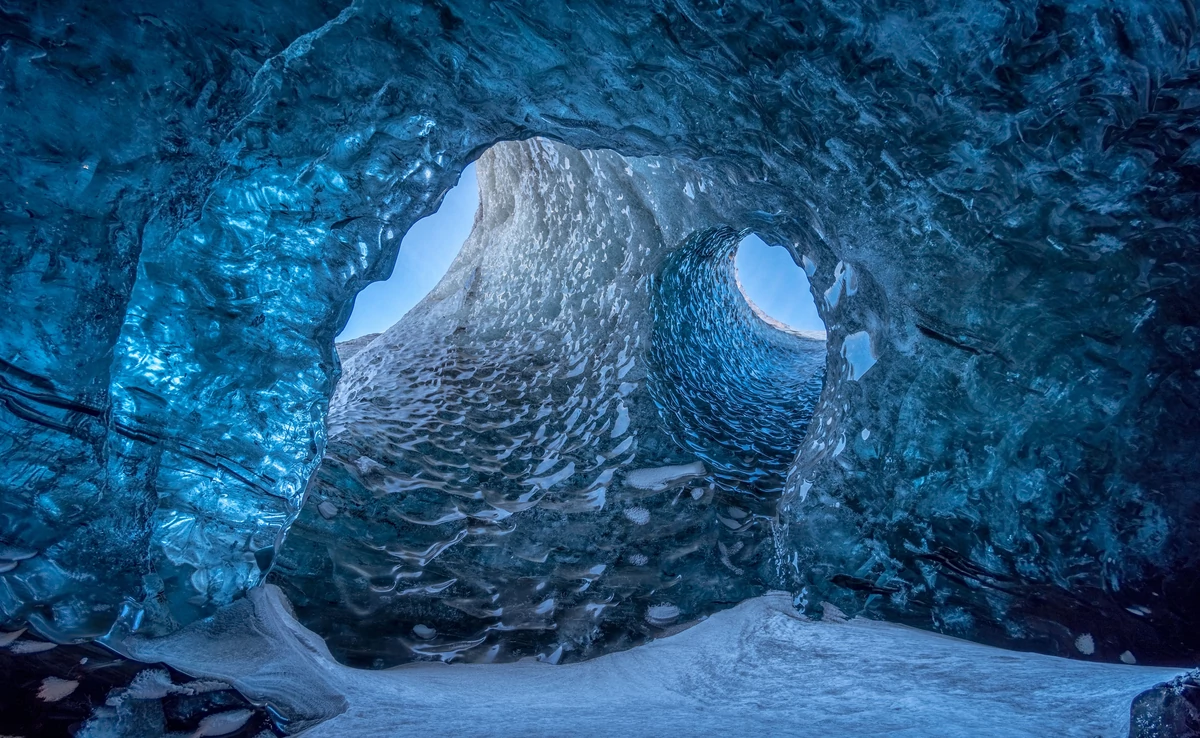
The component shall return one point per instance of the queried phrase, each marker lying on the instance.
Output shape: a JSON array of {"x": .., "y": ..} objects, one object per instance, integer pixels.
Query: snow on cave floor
[{"x": 757, "y": 669}]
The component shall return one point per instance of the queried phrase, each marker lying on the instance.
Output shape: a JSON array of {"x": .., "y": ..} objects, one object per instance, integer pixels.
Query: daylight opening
[
  {"x": 425, "y": 255},
  {"x": 776, "y": 288}
]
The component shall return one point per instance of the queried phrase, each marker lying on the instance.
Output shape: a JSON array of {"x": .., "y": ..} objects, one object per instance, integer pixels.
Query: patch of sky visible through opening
[
  {"x": 426, "y": 253},
  {"x": 772, "y": 282}
]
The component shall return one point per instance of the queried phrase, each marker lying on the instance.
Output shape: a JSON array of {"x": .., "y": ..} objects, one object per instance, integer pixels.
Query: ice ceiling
[{"x": 584, "y": 435}]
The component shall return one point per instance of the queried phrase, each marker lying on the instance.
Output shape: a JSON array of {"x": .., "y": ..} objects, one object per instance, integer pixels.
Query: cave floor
[{"x": 757, "y": 669}]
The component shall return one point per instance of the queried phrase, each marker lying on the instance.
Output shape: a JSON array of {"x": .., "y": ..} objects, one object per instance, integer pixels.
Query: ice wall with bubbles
[{"x": 996, "y": 203}]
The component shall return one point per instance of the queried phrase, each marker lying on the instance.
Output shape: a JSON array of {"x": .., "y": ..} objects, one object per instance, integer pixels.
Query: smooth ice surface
[
  {"x": 759, "y": 668},
  {"x": 662, "y": 477},
  {"x": 774, "y": 283},
  {"x": 425, "y": 254},
  {"x": 859, "y": 355}
]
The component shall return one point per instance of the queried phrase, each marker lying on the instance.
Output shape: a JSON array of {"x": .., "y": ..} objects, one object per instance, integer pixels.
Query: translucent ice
[
  {"x": 558, "y": 431},
  {"x": 1003, "y": 197},
  {"x": 856, "y": 348}
]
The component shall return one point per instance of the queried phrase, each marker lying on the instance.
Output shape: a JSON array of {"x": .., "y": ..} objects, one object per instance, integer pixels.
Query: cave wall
[{"x": 1006, "y": 194}]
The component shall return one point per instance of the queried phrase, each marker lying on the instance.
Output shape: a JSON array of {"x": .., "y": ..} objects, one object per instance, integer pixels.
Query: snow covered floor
[{"x": 754, "y": 670}]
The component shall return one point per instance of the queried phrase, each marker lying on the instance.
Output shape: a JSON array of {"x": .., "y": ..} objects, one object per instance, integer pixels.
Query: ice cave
[{"x": 582, "y": 483}]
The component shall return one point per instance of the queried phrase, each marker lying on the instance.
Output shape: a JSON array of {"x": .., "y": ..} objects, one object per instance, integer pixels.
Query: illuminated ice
[
  {"x": 584, "y": 417},
  {"x": 996, "y": 207}
]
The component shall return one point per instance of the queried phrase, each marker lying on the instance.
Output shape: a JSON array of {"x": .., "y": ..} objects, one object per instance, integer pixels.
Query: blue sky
[
  {"x": 772, "y": 281},
  {"x": 425, "y": 255},
  {"x": 767, "y": 273}
]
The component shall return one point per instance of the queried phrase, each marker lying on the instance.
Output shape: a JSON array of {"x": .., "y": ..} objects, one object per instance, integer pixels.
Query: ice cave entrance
[
  {"x": 425, "y": 255},
  {"x": 776, "y": 288}
]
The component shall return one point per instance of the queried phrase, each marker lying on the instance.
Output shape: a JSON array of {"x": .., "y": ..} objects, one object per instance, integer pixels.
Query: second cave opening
[{"x": 776, "y": 286}]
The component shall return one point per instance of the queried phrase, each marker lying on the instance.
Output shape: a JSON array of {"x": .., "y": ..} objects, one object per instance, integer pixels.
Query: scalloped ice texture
[
  {"x": 585, "y": 389},
  {"x": 1003, "y": 194}
]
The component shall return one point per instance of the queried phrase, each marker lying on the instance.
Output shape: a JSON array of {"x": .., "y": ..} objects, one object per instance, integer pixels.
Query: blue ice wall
[{"x": 998, "y": 200}]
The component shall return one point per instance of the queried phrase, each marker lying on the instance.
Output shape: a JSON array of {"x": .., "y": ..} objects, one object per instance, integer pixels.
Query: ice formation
[
  {"x": 996, "y": 204},
  {"x": 585, "y": 367}
]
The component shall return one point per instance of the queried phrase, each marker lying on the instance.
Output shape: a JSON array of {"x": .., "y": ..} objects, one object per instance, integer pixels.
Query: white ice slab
[{"x": 662, "y": 477}]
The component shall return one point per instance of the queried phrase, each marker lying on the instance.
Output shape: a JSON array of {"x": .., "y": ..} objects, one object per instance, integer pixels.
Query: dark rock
[
  {"x": 97, "y": 700},
  {"x": 1169, "y": 710}
]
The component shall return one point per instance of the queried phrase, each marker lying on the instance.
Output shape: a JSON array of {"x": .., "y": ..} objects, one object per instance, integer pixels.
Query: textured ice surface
[
  {"x": 346, "y": 349},
  {"x": 582, "y": 421},
  {"x": 757, "y": 669},
  {"x": 1002, "y": 195}
]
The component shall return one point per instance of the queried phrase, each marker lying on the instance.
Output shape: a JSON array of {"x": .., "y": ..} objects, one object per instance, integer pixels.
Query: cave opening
[
  {"x": 424, "y": 256},
  {"x": 776, "y": 287},
  {"x": 587, "y": 368},
  {"x": 736, "y": 386}
]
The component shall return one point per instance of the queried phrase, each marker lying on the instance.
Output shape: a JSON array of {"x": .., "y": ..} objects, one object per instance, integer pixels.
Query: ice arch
[
  {"x": 736, "y": 390},
  {"x": 578, "y": 439},
  {"x": 999, "y": 201}
]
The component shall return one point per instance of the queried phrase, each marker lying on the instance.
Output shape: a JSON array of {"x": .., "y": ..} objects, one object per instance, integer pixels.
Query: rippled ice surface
[{"x": 578, "y": 439}]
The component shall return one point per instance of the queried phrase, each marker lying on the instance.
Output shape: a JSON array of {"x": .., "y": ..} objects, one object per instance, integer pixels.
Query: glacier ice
[
  {"x": 1001, "y": 197},
  {"x": 584, "y": 420}
]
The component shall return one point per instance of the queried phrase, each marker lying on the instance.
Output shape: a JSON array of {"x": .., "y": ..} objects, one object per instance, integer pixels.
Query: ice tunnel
[
  {"x": 585, "y": 440},
  {"x": 582, "y": 426}
]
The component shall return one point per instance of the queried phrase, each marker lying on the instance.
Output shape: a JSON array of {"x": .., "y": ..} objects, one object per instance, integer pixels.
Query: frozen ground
[{"x": 757, "y": 669}]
